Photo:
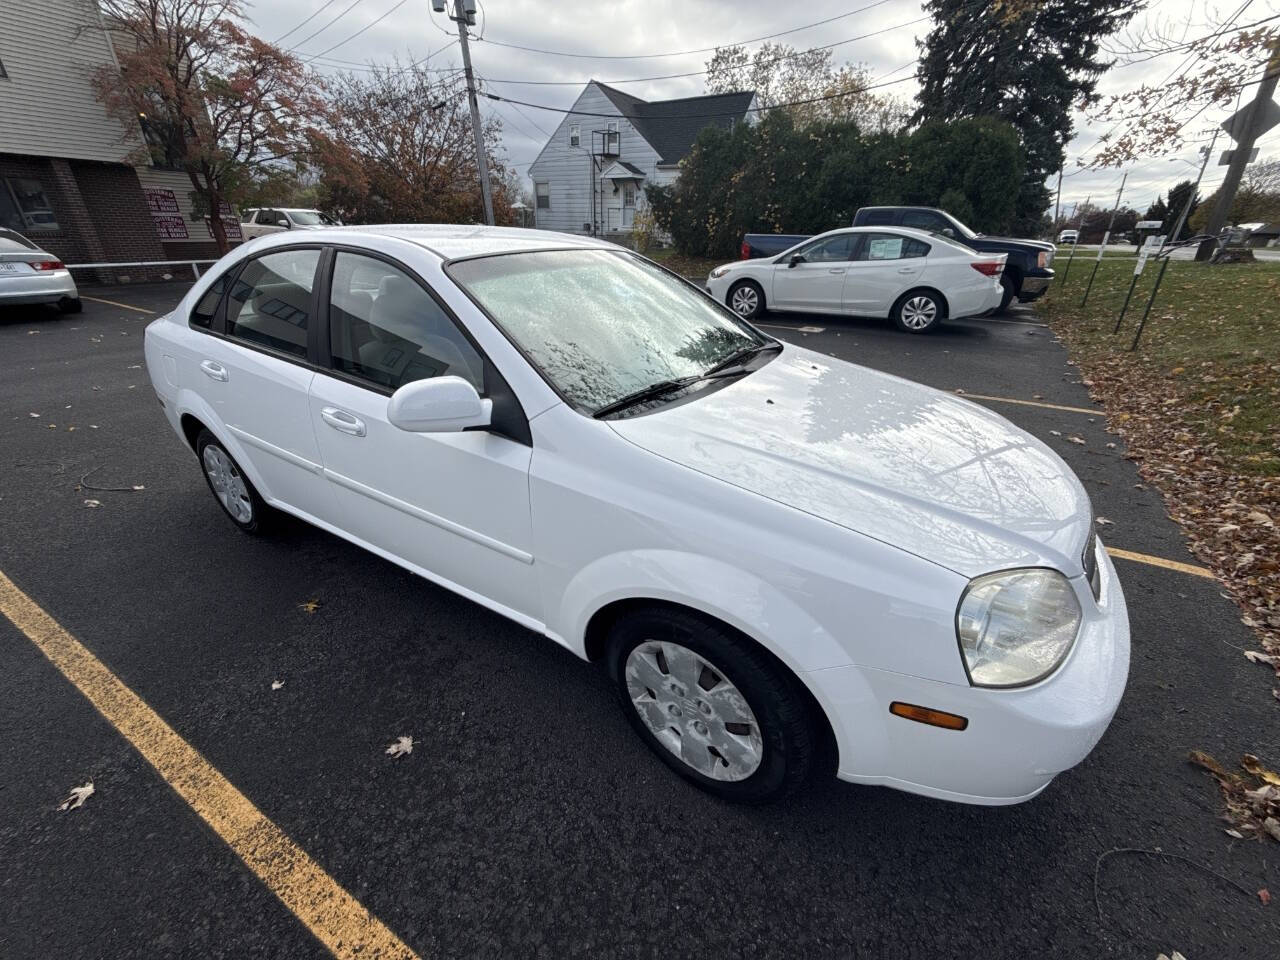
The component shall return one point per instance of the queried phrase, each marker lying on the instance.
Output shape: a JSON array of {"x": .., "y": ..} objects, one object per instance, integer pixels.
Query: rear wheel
[
  {"x": 918, "y": 311},
  {"x": 234, "y": 491},
  {"x": 70, "y": 305},
  {"x": 714, "y": 707},
  {"x": 746, "y": 299},
  {"x": 1008, "y": 292}
]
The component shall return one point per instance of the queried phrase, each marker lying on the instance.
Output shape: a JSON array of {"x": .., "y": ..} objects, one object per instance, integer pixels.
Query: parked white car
[
  {"x": 260, "y": 221},
  {"x": 769, "y": 550},
  {"x": 31, "y": 275},
  {"x": 914, "y": 277}
]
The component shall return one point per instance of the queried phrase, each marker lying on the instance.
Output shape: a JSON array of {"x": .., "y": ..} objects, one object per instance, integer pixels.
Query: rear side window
[
  {"x": 206, "y": 307},
  {"x": 270, "y": 303},
  {"x": 385, "y": 328}
]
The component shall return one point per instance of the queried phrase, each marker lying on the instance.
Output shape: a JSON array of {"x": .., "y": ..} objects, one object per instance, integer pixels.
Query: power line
[
  {"x": 317, "y": 33},
  {"x": 322, "y": 9},
  {"x": 367, "y": 26},
  {"x": 683, "y": 53}
]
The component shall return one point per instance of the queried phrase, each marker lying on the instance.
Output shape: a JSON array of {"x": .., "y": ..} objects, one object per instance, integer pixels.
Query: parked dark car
[{"x": 1027, "y": 272}]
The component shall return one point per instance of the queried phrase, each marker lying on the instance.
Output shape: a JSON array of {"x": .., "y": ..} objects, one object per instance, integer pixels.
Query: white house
[{"x": 589, "y": 177}]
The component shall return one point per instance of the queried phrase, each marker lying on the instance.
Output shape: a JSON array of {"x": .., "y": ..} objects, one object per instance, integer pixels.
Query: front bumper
[
  {"x": 1017, "y": 740},
  {"x": 44, "y": 287},
  {"x": 1034, "y": 286}
]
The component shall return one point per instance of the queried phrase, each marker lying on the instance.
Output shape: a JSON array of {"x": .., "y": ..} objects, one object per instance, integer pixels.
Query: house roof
[{"x": 671, "y": 126}]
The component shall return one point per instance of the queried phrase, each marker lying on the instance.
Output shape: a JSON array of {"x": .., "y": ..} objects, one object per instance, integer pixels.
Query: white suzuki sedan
[
  {"x": 771, "y": 552},
  {"x": 916, "y": 278}
]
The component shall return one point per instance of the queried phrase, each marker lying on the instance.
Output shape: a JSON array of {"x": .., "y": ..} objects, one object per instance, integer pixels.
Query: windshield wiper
[
  {"x": 651, "y": 392},
  {"x": 739, "y": 357}
]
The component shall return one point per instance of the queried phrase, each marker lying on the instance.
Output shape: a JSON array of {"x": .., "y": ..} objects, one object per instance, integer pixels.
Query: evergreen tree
[
  {"x": 1027, "y": 62},
  {"x": 1158, "y": 211},
  {"x": 1177, "y": 199}
]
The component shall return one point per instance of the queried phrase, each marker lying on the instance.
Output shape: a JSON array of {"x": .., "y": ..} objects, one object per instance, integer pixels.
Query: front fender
[{"x": 713, "y": 587}]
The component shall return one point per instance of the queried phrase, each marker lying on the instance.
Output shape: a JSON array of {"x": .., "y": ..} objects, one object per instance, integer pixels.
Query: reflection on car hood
[{"x": 925, "y": 471}]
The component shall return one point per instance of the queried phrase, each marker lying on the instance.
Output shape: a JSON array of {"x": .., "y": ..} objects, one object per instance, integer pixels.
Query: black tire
[
  {"x": 70, "y": 305},
  {"x": 1008, "y": 292},
  {"x": 787, "y": 740},
  {"x": 258, "y": 513},
  {"x": 751, "y": 288},
  {"x": 919, "y": 311}
]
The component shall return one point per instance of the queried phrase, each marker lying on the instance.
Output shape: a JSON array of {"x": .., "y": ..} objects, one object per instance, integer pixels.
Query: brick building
[{"x": 67, "y": 178}]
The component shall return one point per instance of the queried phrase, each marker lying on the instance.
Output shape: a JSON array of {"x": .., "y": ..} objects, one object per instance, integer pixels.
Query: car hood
[{"x": 921, "y": 470}]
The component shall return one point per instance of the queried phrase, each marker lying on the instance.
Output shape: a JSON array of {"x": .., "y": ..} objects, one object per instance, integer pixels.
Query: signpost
[
  {"x": 1153, "y": 245},
  {"x": 1105, "y": 237}
]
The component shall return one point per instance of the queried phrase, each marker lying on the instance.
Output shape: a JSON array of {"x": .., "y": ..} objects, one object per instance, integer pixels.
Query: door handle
[
  {"x": 836, "y": 270},
  {"x": 906, "y": 269},
  {"x": 214, "y": 370},
  {"x": 343, "y": 421}
]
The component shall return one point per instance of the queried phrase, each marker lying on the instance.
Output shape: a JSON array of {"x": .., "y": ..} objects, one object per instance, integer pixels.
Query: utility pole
[
  {"x": 1057, "y": 200},
  {"x": 1248, "y": 132},
  {"x": 465, "y": 15}
]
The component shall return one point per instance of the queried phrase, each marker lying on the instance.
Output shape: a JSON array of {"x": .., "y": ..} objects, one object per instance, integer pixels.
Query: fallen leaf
[
  {"x": 1272, "y": 826},
  {"x": 1265, "y": 896},
  {"x": 1255, "y": 657},
  {"x": 1251, "y": 763},
  {"x": 1111, "y": 446},
  {"x": 1234, "y": 833},
  {"x": 78, "y": 796},
  {"x": 311, "y": 606},
  {"x": 93, "y": 503},
  {"x": 277, "y": 684},
  {"x": 1055, "y": 433},
  {"x": 1079, "y": 440},
  {"x": 402, "y": 746},
  {"x": 1103, "y": 521},
  {"x": 138, "y": 486},
  {"x": 36, "y": 415}
]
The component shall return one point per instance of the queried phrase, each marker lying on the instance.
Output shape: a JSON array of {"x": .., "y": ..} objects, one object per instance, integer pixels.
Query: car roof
[
  {"x": 881, "y": 228},
  {"x": 451, "y": 241}
]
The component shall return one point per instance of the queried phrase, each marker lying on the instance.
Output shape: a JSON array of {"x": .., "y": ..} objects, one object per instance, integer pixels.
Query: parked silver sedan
[{"x": 31, "y": 275}]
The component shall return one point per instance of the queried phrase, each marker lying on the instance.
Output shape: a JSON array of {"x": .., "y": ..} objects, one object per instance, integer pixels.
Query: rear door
[
  {"x": 885, "y": 266},
  {"x": 817, "y": 281}
]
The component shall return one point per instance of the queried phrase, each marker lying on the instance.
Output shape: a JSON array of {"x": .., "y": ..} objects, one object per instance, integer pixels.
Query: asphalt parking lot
[{"x": 529, "y": 821}]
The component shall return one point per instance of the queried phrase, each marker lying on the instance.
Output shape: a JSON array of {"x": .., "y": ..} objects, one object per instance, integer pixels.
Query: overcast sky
[{"x": 637, "y": 29}]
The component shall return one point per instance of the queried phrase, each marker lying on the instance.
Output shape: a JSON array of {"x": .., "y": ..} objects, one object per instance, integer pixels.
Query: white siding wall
[
  {"x": 47, "y": 105},
  {"x": 568, "y": 170}
]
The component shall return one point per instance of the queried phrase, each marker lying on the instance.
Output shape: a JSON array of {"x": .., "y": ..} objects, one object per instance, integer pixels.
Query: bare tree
[{"x": 213, "y": 100}]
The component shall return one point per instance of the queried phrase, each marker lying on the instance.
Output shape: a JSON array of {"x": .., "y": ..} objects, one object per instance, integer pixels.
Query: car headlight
[
  {"x": 1016, "y": 626},
  {"x": 718, "y": 272},
  {"x": 1044, "y": 259}
]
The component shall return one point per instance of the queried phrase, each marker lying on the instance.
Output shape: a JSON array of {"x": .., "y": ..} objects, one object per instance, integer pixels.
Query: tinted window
[
  {"x": 924, "y": 220},
  {"x": 877, "y": 218},
  {"x": 384, "y": 327},
  {"x": 890, "y": 246},
  {"x": 203, "y": 312},
  {"x": 271, "y": 301},
  {"x": 832, "y": 250}
]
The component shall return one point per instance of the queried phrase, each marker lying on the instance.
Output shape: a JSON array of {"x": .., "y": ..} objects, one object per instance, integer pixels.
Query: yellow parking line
[
  {"x": 1162, "y": 562},
  {"x": 114, "y": 303},
  {"x": 334, "y": 916},
  {"x": 1034, "y": 403}
]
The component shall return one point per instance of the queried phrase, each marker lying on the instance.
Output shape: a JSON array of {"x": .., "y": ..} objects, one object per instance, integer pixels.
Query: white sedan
[
  {"x": 916, "y": 278},
  {"x": 769, "y": 551},
  {"x": 30, "y": 275}
]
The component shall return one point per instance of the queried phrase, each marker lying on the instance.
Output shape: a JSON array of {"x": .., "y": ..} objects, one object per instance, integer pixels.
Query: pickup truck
[{"x": 1027, "y": 273}]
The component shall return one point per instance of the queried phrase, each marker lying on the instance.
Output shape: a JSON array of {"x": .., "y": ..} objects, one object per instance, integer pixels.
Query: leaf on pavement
[
  {"x": 36, "y": 415},
  {"x": 402, "y": 746},
  {"x": 310, "y": 606},
  {"x": 1254, "y": 766},
  {"x": 1265, "y": 896},
  {"x": 1079, "y": 440},
  {"x": 1055, "y": 433},
  {"x": 1255, "y": 657},
  {"x": 93, "y": 503},
  {"x": 78, "y": 796},
  {"x": 1234, "y": 833},
  {"x": 277, "y": 684},
  {"x": 1103, "y": 521}
]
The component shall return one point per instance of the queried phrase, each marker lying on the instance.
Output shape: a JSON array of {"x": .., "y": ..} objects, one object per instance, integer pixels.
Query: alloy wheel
[
  {"x": 919, "y": 312},
  {"x": 694, "y": 710},
  {"x": 745, "y": 301},
  {"x": 227, "y": 483}
]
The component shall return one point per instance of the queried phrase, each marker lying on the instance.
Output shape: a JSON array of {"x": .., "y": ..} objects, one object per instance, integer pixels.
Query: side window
[
  {"x": 883, "y": 246},
  {"x": 915, "y": 248},
  {"x": 206, "y": 307},
  {"x": 270, "y": 302},
  {"x": 924, "y": 220},
  {"x": 833, "y": 250},
  {"x": 385, "y": 328},
  {"x": 877, "y": 218}
]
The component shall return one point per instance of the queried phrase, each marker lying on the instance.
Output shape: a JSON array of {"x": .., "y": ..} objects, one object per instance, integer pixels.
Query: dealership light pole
[{"x": 465, "y": 15}]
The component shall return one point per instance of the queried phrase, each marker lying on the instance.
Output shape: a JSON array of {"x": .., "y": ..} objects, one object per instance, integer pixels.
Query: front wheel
[
  {"x": 746, "y": 299},
  {"x": 714, "y": 707},
  {"x": 918, "y": 311}
]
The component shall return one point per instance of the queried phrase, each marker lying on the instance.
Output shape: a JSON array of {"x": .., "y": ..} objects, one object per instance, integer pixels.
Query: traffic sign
[
  {"x": 1229, "y": 155},
  {"x": 1268, "y": 116}
]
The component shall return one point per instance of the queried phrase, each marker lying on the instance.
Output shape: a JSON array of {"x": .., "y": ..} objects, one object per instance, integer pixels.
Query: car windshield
[
  {"x": 603, "y": 325},
  {"x": 11, "y": 242},
  {"x": 311, "y": 218}
]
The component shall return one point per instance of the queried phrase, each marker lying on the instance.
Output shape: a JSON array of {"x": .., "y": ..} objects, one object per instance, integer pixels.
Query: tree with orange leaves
[{"x": 213, "y": 100}]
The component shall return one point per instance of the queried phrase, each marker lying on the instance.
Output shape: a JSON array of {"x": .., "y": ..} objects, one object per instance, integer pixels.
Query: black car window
[
  {"x": 270, "y": 303},
  {"x": 877, "y": 218},
  {"x": 385, "y": 328},
  {"x": 206, "y": 307},
  {"x": 925, "y": 220},
  {"x": 835, "y": 249}
]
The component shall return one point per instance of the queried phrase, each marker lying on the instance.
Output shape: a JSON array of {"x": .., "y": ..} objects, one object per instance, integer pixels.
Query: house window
[
  {"x": 575, "y": 134},
  {"x": 543, "y": 194},
  {"x": 24, "y": 206},
  {"x": 3, "y": 74},
  {"x": 611, "y": 138}
]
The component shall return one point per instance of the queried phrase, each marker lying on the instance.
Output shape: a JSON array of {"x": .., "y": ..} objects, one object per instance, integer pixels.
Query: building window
[
  {"x": 543, "y": 193},
  {"x": 575, "y": 134},
  {"x": 3, "y": 74},
  {"x": 24, "y": 206}
]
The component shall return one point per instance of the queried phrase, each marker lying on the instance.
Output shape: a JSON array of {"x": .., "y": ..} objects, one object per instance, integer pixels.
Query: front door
[
  {"x": 256, "y": 379},
  {"x": 885, "y": 266},
  {"x": 815, "y": 282},
  {"x": 628, "y": 204},
  {"x": 454, "y": 505}
]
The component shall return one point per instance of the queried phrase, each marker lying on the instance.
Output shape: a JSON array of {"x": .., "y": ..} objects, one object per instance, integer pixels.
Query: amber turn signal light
[{"x": 935, "y": 718}]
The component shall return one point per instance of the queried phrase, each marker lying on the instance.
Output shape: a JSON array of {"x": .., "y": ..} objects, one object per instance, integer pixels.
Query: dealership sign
[{"x": 165, "y": 213}]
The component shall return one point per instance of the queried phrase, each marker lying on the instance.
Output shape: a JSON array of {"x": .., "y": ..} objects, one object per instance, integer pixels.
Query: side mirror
[
  {"x": 283, "y": 223},
  {"x": 438, "y": 405},
  {"x": 795, "y": 259},
  {"x": 948, "y": 232}
]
